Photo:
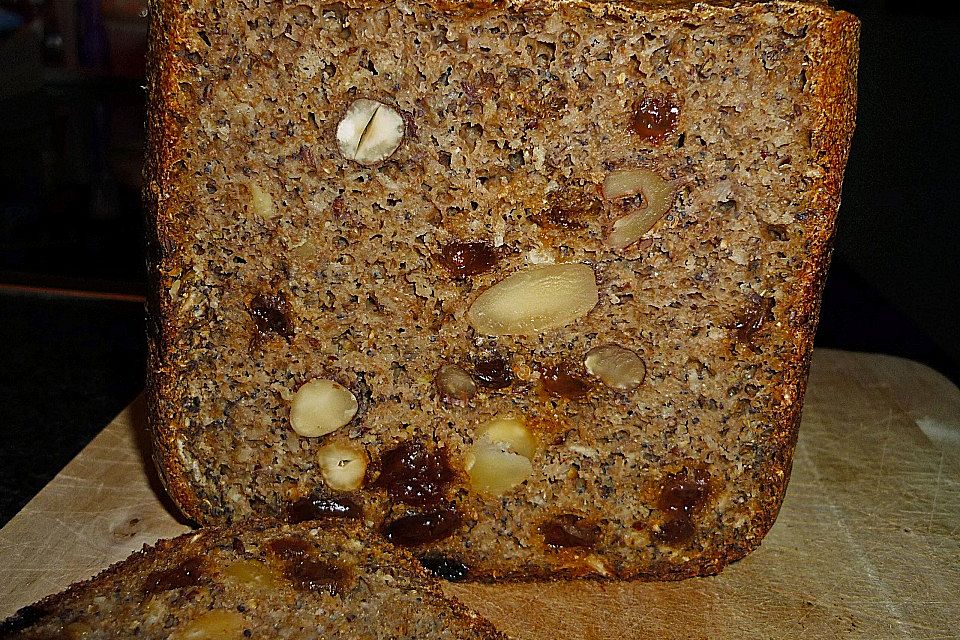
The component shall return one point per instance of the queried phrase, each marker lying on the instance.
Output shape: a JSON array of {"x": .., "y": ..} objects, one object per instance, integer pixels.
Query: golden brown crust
[{"x": 834, "y": 78}]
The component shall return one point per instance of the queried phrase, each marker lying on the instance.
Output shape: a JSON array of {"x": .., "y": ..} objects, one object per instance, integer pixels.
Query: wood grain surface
[{"x": 867, "y": 544}]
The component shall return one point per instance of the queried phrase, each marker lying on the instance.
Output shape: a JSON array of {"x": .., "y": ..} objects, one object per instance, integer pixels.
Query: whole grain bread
[
  {"x": 528, "y": 287},
  {"x": 319, "y": 579}
]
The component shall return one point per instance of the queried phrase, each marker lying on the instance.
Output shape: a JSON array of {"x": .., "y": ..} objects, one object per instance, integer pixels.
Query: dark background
[{"x": 71, "y": 227}]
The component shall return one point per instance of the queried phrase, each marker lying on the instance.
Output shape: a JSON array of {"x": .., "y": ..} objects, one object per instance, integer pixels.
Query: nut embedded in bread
[{"x": 608, "y": 220}]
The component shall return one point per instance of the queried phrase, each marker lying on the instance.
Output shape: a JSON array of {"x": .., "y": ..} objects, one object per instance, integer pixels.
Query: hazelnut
[
  {"x": 218, "y": 624},
  {"x": 454, "y": 383},
  {"x": 624, "y": 186},
  {"x": 511, "y": 432},
  {"x": 369, "y": 132},
  {"x": 494, "y": 470},
  {"x": 343, "y": 466},
  {"x": 260, "y": 202},
  {"x": 617, "y": 367},
  {"x": 320, "y": 407},
  {"x": 535, "y": 299},
  {"x": 500, "y": 459}
]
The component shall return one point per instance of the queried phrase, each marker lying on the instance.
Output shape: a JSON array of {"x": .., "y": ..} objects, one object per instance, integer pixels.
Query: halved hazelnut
[
  {"x": 535, "y": 299},
  {"x": 320, "y": 407},
  {"x": 511, "y": 432},
  {"x": 617, "y": 367},
  {"x": 656, "y": 198},
  {"x": 343, "y": 466},
  {"x": 494, "y": 470},
  {"x": 500, "y": 459},
  {"x": 369, "y": 132},
  {"x": 218, "y": 624}
]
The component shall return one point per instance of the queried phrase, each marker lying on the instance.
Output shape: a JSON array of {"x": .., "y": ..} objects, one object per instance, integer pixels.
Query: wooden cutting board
[{"x": 867, "y": 544}]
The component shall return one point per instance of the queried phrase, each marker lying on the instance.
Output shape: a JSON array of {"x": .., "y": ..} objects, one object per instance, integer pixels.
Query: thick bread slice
[
  {"x": 313, "y": 580},
  {"x": 531, "y": 286}
]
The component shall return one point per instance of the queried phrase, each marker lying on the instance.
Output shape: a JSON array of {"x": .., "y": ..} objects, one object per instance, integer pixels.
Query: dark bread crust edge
[
  {"x": 30, "y": 614},
  {"x": 833, "y": 76},
  {"x": 165, "y": 118}
]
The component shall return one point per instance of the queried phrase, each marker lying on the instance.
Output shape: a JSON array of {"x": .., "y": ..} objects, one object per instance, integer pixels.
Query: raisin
[
  {"x": 318, "y": 508},
  {"x": 682, "y": 495},
  {"x": 463, "y": 259},
  {"x": 316, "y": 575},
  {"x": 676, "y": 529},
  {"x": 271, "y": 315},
  {"x": 569, "y": 530},
  {"x": 493, "y": 372},
  {"x": 414, "y": 474},
  {"x": 445, "y": 568},
  {"x": 754, "y": 317},
  {"x": 421, "y": 528},
  {"x": 186, "y": 574},
  {"x": 684, "y": 492},
  {"x": 289, "y": 548},
  {"x": 560, "y": 380},
  {"x": 655, "y": 117},
  {"x": 569, "y": 208}
]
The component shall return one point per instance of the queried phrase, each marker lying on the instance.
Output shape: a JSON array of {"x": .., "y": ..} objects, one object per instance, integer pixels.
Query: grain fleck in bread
[
  {"x": 529, "y": 288},
  {"x": 261, "y": 581}
]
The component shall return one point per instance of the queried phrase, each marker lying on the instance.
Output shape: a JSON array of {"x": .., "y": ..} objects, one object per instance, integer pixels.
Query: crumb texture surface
[{"x": 604, "y": 226}]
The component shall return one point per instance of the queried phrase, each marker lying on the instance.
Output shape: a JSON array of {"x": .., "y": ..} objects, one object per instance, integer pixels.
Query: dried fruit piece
[
  {"x": 454, "y": 383},
  {"x": 500, "y": 459},
  {"x": 568, "y": 208},
  {"x": 617, "y": 367},
  {"x": 752, "y": 320},
  {"x": 686, "y": 491},
  {"x": 464, "y": 259},
  {"x": 343, "y": 466},
  {"x": 535, "y": 299},
  {"x": 414, "y": 474},
  {"x": 569, "y": 530},
  {"x": 683, "y": 495},
  {"x": 218, "y": 624},
  {"x": 493, "y": 371},
  {"x": 319, "y": 507},
  {"x": 186, "y": 574},
  {"x": 271, "y": 315},
  {"x": 317, "y": 575},
  {"x": 675, "y": 530},
  {"x": 369, "y": 132},
  {"x": 655, "y": 116},
  {"x": 622, "y": 188},
  {"x": 421, "y": 528},
  {"x": 445, "y": 568},
  {"x": 560, "y": 380},
  {"x": 320, "y": 407}
]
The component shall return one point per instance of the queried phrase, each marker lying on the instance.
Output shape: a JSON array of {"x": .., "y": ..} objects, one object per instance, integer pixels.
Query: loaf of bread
[
  {"x": 310, "y": 580},
  {"x": 527, "y": 287}
]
